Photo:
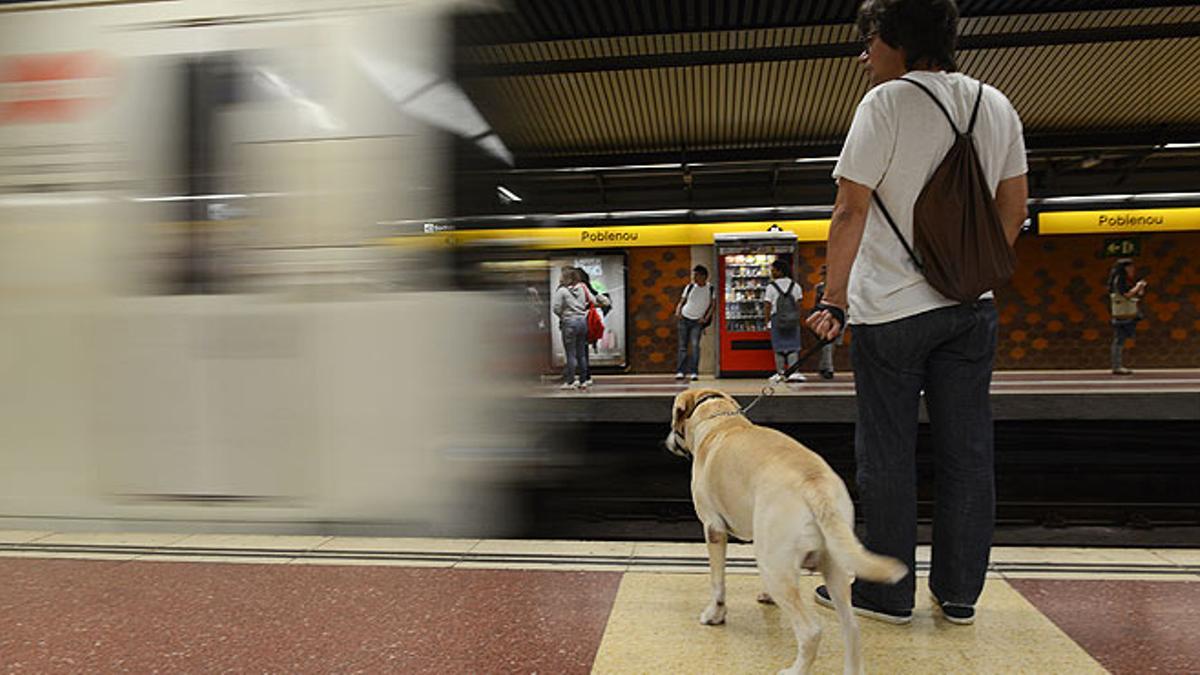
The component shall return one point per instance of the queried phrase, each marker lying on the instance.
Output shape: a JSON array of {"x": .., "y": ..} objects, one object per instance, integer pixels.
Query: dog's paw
[
  {"x": 713, "y": 615},
  {"x": 765, "y": 598}
]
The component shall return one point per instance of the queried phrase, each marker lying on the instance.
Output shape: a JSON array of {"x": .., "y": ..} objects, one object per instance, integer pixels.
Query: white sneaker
[
  {"x": 588, "y": 383},
  {"x": 797, "y": 377},
  {"x": 695, "y": 376},
  {"x": 679, "y": 376},
  {"x": 569, "y": 385},
  {"x": 583, "y": 385}
]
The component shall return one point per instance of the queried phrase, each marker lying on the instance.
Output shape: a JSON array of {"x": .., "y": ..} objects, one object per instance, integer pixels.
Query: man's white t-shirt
[
  {"x": 698, "y": 300},
  {"x": 772, "y": 295},
  {"x": 896, "y": 141}
]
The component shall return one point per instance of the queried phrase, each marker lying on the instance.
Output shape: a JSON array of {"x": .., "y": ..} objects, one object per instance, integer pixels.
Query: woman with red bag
[{"x": 571, "y": 304}]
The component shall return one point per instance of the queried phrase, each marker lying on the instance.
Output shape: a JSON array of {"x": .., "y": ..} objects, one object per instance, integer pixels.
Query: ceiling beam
[
  {"x": 1163, "y": 31},
  {"x": 525, "y": 25},
  {"x": 1037, "y": 143}
]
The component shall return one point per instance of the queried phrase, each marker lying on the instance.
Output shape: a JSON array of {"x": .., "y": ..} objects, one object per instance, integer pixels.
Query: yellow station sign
[
  {"x": 1119, "y": 221},
  {"x": 616, "y": 236}
]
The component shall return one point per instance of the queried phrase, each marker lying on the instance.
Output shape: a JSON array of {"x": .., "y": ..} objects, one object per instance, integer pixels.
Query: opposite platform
[{"x": 1016, "y": 396}]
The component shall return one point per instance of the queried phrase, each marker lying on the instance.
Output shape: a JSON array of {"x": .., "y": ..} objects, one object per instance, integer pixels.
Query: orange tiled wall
[
  {"x": 657, "y": 276},
  {"x": 1055, "y": 313},
  {"x": 1053, "y": 316}
]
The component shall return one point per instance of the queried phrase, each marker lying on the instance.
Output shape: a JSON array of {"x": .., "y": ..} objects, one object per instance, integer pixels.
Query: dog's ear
[{"x": 683, "y": 406}]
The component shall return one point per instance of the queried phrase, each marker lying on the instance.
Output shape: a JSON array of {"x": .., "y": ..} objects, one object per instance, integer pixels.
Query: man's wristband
[{"x": 838, "y": 313}]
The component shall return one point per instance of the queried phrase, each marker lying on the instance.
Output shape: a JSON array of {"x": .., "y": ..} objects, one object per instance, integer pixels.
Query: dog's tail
[{"x": 848, "y": 552}]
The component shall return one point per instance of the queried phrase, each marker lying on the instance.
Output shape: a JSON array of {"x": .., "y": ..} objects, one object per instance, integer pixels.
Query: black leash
[{"x": 769, "y": 388}]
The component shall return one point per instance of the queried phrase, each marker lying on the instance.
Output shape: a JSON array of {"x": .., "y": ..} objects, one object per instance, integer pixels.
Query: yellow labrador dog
[{"x": 758, "y": 484}]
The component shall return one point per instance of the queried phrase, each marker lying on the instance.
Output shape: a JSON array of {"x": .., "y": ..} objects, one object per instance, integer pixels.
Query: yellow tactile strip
[{"x": 654, "y": 628}]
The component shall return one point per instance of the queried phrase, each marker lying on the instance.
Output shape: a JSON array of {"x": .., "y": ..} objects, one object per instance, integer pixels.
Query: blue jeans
[
  {"x": 1122, "y": 331},
  {"x": 948, "y": 353},
  {"x": 689, "y": 341},
  {"x": 574, "y": 334}
]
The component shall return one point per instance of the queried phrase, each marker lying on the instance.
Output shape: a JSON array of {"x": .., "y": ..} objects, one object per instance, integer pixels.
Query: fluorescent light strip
[
  {"x": 508, "y": 194},
  {"x": 1146, "y": 197},
  {"x": 817, "y": 210},
  {"x": 662, "y": 213}
]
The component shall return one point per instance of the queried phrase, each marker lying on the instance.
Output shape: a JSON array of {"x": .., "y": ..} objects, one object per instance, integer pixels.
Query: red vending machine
[{"x": 743, "y": 274}]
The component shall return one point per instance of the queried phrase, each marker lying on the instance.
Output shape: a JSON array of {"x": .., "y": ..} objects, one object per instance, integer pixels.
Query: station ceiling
[{"x": 756, "y": 83}]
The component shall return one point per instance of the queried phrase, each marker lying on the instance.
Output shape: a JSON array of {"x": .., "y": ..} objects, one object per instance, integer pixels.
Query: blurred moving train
[{"x": 200, "y": 330}]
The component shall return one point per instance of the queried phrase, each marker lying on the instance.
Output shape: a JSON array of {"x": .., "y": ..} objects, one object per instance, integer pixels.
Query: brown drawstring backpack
[{"x": 959, "y": 239}]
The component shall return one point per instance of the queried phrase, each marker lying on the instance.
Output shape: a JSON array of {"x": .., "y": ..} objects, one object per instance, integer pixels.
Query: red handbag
[{"x": 595, "y": 323}]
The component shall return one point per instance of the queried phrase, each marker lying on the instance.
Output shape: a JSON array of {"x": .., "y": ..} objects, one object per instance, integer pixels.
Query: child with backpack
[{"x": 783, "y": 316}]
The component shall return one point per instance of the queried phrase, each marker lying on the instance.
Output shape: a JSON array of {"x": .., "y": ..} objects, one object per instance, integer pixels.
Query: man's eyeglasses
[{"x": 867, "y": 39}]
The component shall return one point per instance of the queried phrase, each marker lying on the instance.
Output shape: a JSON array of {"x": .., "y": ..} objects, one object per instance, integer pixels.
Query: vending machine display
[
  {"x": 743, "y": 274},
  {"x": 747, "y": 277}
]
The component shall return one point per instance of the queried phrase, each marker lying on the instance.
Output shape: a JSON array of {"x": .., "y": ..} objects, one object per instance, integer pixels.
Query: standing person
[
  {"x": 909, "y": 338},
  {"x": 570, "y": 304},
  {"x": 826, "y": 366},
  {"x": 1124, "y": 296},
  {"x": 782, "y": 310},
  {"x": 694, "y": 313},
  {"x": 603, "y": 301}
]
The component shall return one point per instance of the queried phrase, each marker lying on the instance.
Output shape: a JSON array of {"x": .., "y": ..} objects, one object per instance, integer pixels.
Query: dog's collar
[
  {"x": 709, "y": 397},
  {"x": 704, "y": 399},
  {"x": 682, "y": 439}
]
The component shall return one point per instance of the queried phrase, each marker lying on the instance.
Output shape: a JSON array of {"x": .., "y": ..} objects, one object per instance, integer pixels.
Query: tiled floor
[
  {"x": 1129, "y": 626},
  {"x": 142, "y": 602},
  {"x": 1010, "y": 637}
]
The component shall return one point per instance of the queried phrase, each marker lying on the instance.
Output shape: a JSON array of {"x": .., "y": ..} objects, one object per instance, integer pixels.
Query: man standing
[
  {"x": 908, "y": 338},
  {"x": 694, "y": 312}
]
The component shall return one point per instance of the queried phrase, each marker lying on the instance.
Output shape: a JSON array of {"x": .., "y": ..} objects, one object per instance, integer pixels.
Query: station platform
[
  {"x": 153, "y": 602},
  {"x": 1034, "y": 395}
]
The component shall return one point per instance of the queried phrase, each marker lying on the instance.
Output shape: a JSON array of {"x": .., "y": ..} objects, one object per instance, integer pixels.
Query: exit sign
[{"x": 1122, "y": 247}]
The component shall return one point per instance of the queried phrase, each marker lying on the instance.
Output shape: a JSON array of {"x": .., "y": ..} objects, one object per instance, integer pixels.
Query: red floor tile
[
  {"x": 87, "y": 616},
  {"x": 1128, "y": 626}
]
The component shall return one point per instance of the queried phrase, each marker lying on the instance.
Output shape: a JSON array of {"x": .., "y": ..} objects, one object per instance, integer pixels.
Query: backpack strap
[
  {"x": 687, "y": 291},
  {"x": 904, "y": 242},
  {"x": 974, "y": 110},
  {"x": 939, "y": 104}
]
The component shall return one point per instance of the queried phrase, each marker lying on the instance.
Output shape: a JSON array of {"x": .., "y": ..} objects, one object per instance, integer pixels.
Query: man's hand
[{"x": 827, "y": 321}]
